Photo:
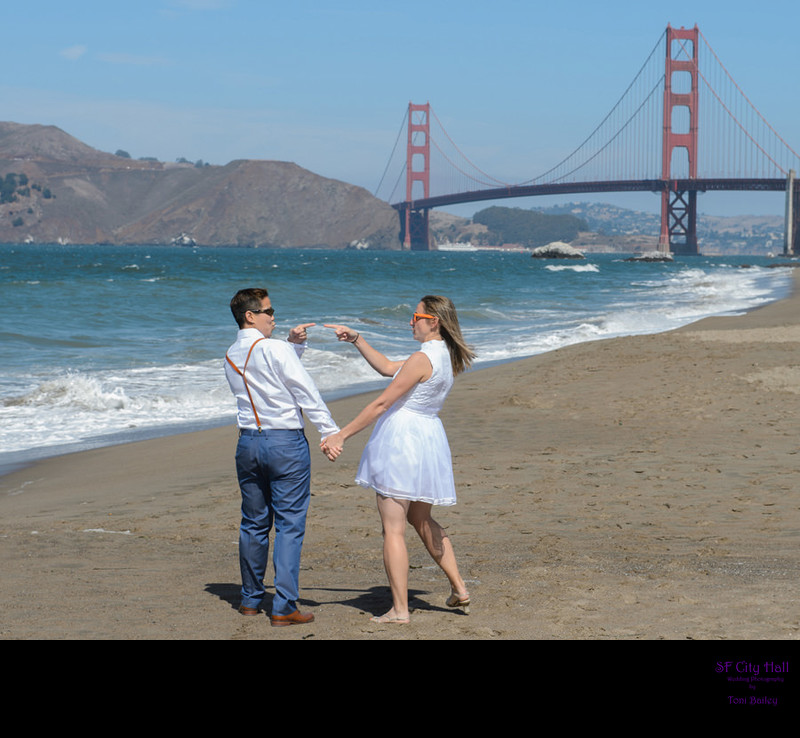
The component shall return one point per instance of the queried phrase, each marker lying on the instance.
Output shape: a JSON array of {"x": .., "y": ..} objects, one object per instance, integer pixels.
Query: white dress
[{"x": 407, "y": 455}]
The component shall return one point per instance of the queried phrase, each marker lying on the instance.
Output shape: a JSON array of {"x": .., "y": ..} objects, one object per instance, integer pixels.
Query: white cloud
[{"x": 74, "y": 52}]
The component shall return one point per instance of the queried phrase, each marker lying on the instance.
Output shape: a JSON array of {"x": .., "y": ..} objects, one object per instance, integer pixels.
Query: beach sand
[{"x": 634, "y": 488}]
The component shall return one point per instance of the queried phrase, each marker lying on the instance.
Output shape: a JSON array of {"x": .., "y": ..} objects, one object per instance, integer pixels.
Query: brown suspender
[{"x": 244, "y": 379}]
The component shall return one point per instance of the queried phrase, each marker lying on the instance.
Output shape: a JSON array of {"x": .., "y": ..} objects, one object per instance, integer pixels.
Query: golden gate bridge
[{"x": 681, "y": 127}]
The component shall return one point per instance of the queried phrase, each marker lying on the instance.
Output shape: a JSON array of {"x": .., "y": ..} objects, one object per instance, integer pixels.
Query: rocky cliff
[{"x": 60, "y": 189}]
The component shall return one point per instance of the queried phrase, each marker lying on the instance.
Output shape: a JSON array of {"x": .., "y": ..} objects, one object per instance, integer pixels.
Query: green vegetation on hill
[
  {"x": 13, "y": 185},
  {"x": 16, "y": 188},
  {"x": 527, "y": 227}
]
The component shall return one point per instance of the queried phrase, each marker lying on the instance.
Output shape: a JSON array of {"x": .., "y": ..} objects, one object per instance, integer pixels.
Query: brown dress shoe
[
  {"x": 248, "y": 610},
  {"x": 295, "y": 618}
]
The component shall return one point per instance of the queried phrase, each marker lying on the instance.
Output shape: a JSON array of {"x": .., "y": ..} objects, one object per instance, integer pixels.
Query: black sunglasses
[{"x": 268, "y": 311}]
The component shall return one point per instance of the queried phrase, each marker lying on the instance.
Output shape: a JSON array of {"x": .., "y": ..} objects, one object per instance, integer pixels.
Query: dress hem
[{"x": 446, "y": 502}]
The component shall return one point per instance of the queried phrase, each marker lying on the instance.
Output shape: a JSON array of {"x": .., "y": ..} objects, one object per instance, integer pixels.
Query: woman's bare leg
[
  {"x": 395, "y": 555},
  {"x": 438, "y": 544}
]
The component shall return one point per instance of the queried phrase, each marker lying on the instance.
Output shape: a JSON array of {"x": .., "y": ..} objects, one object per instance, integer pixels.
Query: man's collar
[{"x": 248, "y": 332}]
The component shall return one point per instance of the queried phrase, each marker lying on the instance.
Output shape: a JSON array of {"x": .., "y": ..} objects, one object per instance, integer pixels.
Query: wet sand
[{"x": 637, "y": 488}]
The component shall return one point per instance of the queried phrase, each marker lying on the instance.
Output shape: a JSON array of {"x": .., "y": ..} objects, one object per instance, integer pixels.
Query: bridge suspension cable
[
  {"x": 780, "y": 148},
  {"x": 546, "y": 176},
  {"x": 486, "y": 176},
  {"x": 391, "y": 157}
]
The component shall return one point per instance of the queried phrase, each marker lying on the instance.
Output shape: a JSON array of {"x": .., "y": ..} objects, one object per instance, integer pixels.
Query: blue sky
[{"x": 326, "y": 84}]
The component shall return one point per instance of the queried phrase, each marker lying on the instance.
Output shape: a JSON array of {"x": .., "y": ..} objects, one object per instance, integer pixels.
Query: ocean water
[{"x": 102, "y": 345}]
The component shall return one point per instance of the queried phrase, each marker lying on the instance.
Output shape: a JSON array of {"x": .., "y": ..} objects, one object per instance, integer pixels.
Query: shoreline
[{"x": 632, "y": 488}]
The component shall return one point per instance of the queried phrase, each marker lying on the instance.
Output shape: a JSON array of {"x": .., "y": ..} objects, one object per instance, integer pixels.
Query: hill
[
  {"x": 618, "y": 229},
  {"x": 610, "y": 229},
  {"x": 528, "y": 228},
  {"x": 58, "y": 189}
]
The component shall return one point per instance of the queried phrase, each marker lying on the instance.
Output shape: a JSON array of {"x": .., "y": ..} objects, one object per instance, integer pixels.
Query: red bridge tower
[
  {"x": 418, "y": 169},
  {"x": 679, "y": 207}
]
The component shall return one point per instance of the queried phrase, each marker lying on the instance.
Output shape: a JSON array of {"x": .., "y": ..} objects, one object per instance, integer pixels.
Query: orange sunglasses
[{"x": 419, "y": 316}]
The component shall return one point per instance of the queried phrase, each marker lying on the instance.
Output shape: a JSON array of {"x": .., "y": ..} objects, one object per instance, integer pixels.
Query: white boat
[{"x": 459, "y": 246}]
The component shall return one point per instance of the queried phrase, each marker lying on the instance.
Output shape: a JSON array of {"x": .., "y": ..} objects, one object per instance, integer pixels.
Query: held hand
[
  {"x": 332, "y": 446},
  {"x": 298, "y": 334},
  {"x": 343, "y": 333},
  {"x": 331, "y": 453}
]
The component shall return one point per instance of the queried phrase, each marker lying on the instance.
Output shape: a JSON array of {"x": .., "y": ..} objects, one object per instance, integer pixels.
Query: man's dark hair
[{"x": 244, "y": 300}]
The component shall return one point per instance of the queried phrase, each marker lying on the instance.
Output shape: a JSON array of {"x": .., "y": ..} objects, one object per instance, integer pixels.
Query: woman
[{"x": 407, "y": 458}]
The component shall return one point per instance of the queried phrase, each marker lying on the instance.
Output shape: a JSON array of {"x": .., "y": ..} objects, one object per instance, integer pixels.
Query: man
[{"x": 273, "y": 465}]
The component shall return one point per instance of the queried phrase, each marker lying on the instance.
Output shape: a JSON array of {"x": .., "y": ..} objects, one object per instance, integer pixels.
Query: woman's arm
[
  {"x": 416, "y": 369},
  {"x": 384, "y": 366}
]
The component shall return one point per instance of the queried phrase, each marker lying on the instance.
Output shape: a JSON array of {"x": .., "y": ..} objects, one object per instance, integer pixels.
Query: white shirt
[{"x": 280, "y": 386}]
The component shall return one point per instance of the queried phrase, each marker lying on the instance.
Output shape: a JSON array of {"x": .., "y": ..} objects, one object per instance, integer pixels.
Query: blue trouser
[{"x": 274, "y": 471}]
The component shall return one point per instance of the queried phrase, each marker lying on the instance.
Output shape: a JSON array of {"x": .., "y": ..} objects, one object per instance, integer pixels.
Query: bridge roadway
[
  {"x": 569, "y": 188},
  {"x": 414, "y": 214}
]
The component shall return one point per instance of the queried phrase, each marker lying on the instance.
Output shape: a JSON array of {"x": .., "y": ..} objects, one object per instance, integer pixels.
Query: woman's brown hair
[{"x": 461, "y": 355}]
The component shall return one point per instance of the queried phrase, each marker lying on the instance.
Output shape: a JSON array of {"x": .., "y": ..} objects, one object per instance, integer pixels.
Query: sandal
[{"x": 462, "y": 601}]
